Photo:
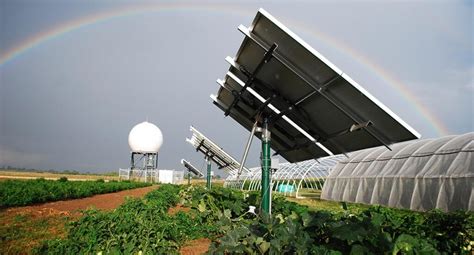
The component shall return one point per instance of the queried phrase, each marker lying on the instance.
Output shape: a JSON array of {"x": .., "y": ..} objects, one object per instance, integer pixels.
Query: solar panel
[
  {"x": 191, "y": 168},
  {"x": 313, "y": 108},
  {"x": 214, "y": 152}
]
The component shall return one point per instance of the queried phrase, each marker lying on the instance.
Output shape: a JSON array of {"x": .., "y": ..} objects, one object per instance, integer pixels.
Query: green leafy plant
[
  {"x": 62, "y": 179},
  {"x": 144, "y": 225},
  {"x": 139, "y": 225},
  {"x": 25, "y": 192}
]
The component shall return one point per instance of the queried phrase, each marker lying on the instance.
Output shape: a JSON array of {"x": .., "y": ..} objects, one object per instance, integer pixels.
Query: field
[
  {"x": 23, "y": 228},
  {"x": 12, "y": 174},
  {"x": 185, "y": 219},
  {"x": 26, "y": 192}
]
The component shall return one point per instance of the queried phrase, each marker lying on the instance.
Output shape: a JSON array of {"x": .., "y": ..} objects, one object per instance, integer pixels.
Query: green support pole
[
  {"x": 266, "y": 164},
  {"x": 189, "y": 178},
  {"x": 208, "y": 173}
]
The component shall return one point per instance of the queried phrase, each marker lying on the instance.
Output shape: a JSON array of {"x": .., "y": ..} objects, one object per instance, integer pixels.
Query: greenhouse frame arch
[{"x": 290, "y": 178}]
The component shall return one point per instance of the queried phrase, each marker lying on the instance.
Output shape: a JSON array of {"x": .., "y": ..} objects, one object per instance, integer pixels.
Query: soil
[
  {"x": 196, "y": 247},
  {"x": 193, "y": 247},
  {"x": 178, "y": 208}
]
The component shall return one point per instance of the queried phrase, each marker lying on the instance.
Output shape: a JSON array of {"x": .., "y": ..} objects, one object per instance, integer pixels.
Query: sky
[{"x": 76, "y": 76}]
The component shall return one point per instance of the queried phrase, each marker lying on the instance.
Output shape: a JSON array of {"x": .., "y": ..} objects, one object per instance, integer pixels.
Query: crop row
[
  {"x": 145, "y": 226},
  {"x": 25, "y": 192},
  {"x": 138, "y": 225}
]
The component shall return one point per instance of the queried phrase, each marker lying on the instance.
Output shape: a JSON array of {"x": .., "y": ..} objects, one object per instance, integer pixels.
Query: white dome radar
[{"x": 145, "y": 138}]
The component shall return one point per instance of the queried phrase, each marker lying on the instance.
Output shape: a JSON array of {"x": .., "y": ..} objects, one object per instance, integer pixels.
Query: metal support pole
[
  {"x": 132, "y": 165},
  {"x": 189, "y": 178},
  {"x": 247, "y": 148},
  {"x": 208, "y": 173},
  {"x": 156, "y": 167},
  {"x": 146, "y": 167},
  {"x": 266, "y": 164}
]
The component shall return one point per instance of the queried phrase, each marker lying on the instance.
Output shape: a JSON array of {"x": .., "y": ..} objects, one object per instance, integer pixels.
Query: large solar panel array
[
  {"x": 314, "y": 109},
  {"x": 214, "y": 152}
]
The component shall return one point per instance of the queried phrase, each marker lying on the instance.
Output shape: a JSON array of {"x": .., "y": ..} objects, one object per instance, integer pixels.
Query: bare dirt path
[{"x": 196, "y": 247}]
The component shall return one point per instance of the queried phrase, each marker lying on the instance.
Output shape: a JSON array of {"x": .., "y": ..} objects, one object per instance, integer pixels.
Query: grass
[
  {"x": 311, "y": 198},
  {"x": 316, "y": 204}
]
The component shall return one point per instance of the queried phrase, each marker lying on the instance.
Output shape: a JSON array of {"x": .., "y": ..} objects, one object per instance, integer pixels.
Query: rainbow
[
  {"x": 436, "y": 124},
  {"x": 63, "y": 28}
]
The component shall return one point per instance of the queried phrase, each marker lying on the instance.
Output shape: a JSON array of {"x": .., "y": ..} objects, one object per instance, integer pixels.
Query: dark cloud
[{"x": 70, "y": 102}]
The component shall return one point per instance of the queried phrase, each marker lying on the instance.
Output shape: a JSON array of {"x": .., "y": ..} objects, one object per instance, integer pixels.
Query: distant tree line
[{"x": 53, "y": 171}]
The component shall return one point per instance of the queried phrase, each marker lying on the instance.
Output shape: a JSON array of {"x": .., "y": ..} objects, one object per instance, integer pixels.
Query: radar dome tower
[{"x": 145, "y": 140}]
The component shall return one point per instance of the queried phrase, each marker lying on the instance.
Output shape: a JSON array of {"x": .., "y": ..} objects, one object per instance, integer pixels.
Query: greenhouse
[
  {"x": 290, "y": 179},
  {"x": 419, "y": 175}
]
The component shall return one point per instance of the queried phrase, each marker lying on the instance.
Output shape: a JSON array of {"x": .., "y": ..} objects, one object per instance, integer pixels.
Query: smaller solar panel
[
  {"x": 214, "y": 152},
  {"x": 191, "y": 168}
]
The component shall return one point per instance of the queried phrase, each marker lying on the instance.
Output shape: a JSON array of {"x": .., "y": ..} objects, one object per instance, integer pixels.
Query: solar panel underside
[
  {"x": 191, "y": 168},
  {"x": 214, "y": 152},
  {"x": 315, "y": 109}
]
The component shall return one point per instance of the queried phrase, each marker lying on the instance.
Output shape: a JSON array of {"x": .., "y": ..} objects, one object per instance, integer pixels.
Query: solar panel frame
[
  {"x": 319, "y": 92},
  {"x": 282, "y": 138},
  {"x": 215, "y": 153},
  {"x": 191, "y": 168}
]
